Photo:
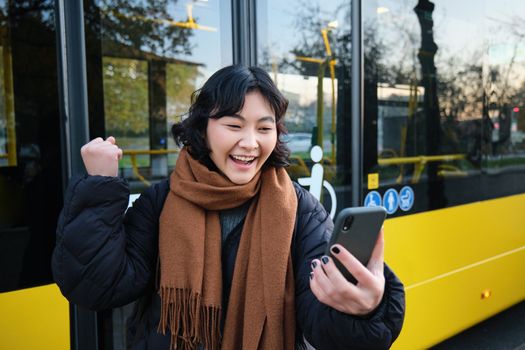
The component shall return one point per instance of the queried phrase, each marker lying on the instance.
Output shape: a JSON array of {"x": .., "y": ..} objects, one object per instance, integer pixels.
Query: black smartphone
[{"x": 357, "y": 230}]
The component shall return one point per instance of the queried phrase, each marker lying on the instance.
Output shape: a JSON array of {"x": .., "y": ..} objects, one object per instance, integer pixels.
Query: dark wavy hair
[{"x": 223, "y": 94}]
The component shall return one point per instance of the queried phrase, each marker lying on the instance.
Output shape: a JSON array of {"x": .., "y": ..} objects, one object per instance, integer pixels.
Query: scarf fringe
[{"x": 179, "y": 310}]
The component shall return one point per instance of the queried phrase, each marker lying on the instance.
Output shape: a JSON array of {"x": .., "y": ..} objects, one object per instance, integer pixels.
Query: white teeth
[{"x": 243, "y": 159}]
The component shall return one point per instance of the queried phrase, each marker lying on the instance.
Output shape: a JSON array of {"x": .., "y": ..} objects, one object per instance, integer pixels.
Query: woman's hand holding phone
[{"x": 331, "y": 288}]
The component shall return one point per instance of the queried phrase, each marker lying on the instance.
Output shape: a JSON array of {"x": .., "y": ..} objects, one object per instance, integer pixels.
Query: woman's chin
[{"x": 241, "y": 179}]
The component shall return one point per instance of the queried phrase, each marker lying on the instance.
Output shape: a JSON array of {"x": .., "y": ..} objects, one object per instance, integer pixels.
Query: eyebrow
[{"x": 262, "y": 119}]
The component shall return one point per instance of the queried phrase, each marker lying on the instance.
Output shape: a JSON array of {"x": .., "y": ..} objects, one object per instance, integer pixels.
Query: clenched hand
[{"x": 101, "y": 157}]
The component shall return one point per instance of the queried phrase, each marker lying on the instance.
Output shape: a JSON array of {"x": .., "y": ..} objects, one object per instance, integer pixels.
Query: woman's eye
[
  {"x": 233, "y": 126},
  {"x": 266, "y": 129}
]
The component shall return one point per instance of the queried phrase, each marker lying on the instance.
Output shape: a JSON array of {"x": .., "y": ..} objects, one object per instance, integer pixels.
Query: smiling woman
[
  {"x": 228, "y": 229},
  {"x": 241, "y": 144},
  {"x": 241, "y": 113}
]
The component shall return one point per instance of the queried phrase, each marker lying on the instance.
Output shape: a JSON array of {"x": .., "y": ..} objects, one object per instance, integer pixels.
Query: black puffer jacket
[{"x": 104, "y": 259}]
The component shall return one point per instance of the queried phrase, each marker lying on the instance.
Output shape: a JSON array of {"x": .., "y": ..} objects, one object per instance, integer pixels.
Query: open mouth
[{"x": 245, "y": 160}]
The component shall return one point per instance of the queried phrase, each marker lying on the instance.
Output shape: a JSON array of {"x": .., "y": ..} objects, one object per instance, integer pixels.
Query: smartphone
[{"x": 357, "y": 230}]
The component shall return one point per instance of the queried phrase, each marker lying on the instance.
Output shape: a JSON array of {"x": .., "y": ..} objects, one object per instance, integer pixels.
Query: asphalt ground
[{"x": 505, "y": 331}]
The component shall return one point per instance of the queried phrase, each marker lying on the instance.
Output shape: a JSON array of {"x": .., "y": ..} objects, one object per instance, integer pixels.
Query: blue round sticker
[
  {"x": 373, "y": 199},
  {"x": 406, "y": 198},
  {"x": 391, "y": 201}
]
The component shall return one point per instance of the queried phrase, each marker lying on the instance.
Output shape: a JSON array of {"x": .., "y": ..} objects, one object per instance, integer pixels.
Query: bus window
[
  {"x": 7, "y": 105},
  {"x": 504, "y": 161},
  {"x": 144, "y": 60},
  {"x": 30, "y": 153},
  {"x": 443, "y": 133},
  {"x": 425, "y": 102},
  {"x": 441, "y": 109},
  {"x": 305, "y": 47},
  {"x": 126, "y": 106}
]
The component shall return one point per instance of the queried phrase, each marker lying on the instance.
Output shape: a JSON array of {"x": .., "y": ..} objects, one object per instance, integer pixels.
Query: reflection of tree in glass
[
  {"x": 461, "y": 93},
  {"x": 426, "y": 55},
  {"x": 310, "y": 19},
  {"x": 134, "y": 24},
  {"x": 3, "y": 116},
  {"x": 399, "y": 34},
  {"x": 181, "y": 80},
  {"x": 315, "y": 54},
  {"x": 316, "y": 24},
  {"x": 504, "y": 74},
  {"x": 505, "y": 88},
  {"x": 40, "y": 11},
  {"x": 125, "y": 96}
]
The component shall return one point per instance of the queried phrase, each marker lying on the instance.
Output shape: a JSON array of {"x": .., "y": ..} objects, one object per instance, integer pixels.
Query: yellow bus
[{"x": 416, "y": 106}]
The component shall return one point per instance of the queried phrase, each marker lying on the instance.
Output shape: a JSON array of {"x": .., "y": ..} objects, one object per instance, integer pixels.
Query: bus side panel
[
  {"x": 459, "y": 265},
  {"x": 38, "y": 319}
]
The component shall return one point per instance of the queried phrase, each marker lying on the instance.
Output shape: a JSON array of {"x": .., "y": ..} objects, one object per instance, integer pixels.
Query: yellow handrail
[
  {"x": 419, "y": 162},
  {"x": 420, "y": 159},
  {"x": 188, "y": 24},
  {"x": 134, "y": 153},
  {"x": 322, "y": 62}
]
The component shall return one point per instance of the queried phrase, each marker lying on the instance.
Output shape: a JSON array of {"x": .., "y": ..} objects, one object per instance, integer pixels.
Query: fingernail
[
  {"x": 314, "y": 264},
  {"x": 324, "y": 259},
  {"x": 311, "y": 275},
  {"x": 335, "y": 250}
]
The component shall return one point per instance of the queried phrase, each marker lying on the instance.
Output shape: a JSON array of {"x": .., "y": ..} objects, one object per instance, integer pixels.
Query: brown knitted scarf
[{"x": 261, "y": 310}]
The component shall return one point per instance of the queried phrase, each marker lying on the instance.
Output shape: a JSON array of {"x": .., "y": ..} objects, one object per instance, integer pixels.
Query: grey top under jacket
[{"x": 230, "y": 218}]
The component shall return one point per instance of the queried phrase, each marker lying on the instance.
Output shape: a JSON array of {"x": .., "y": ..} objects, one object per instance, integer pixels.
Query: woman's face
[{"x": 241, "y": 143}]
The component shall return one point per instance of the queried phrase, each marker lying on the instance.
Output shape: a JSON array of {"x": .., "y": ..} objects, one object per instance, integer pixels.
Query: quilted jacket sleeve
[
  {"x": 323, "y": 326},
  {"x": 102, "y": 257}
]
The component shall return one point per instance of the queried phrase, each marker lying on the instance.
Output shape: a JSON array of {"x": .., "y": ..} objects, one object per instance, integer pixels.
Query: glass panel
[
  {"x": 442, "y": 101},
  {"x": 505, "y": 81},
  {"x": 144, "y": 60},
  {"x": 30, "y": 173},
  {"x": 305, "y": 46},
  {"x": 7, "y": 115},
  {"x": 126, "y": 105},
  {"x": 184, "y": 79}
]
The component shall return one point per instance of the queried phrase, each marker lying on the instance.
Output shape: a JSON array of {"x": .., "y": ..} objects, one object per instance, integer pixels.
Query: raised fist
[{"x": 101, "y": 157}]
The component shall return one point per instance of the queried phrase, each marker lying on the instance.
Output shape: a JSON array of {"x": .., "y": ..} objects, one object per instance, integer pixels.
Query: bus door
[
  {"x": 306, "y": 50},
  {"x": 143, "y": 62},
  {"x": 34, "y": 313}
]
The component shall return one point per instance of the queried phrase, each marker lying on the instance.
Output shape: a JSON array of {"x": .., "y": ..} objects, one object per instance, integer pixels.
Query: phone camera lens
[{"x": 348, "y": 223}]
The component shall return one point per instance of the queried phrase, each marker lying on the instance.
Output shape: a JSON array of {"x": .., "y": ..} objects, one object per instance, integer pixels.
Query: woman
[{"x": 227, "y": 253}]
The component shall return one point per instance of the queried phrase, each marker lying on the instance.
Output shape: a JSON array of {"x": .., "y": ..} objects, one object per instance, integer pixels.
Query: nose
[{"x": 249, "y": 140}]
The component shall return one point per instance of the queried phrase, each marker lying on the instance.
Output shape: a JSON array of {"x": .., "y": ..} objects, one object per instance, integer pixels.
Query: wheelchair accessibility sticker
[
  {"x": 373, "y": 199},
  {"x": 391, "y": 200},
  {"x": 316, "y": 182}
]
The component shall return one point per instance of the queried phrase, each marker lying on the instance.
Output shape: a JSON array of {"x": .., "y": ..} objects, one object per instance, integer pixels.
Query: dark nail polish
[
  {"x": 311, "y": 275},
  {"x": 335, "y": 250},
  {"x": 314, "y": 264},
  {"x": 324, "y": 259}
]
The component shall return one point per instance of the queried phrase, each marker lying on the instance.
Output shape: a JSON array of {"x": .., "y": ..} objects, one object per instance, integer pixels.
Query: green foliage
[
  {"x": 3, "y": 117},
  {"x": 141, "y": 25},
  {"x": 181, "y": 79},
  {"x": 125, "y": 96}
]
